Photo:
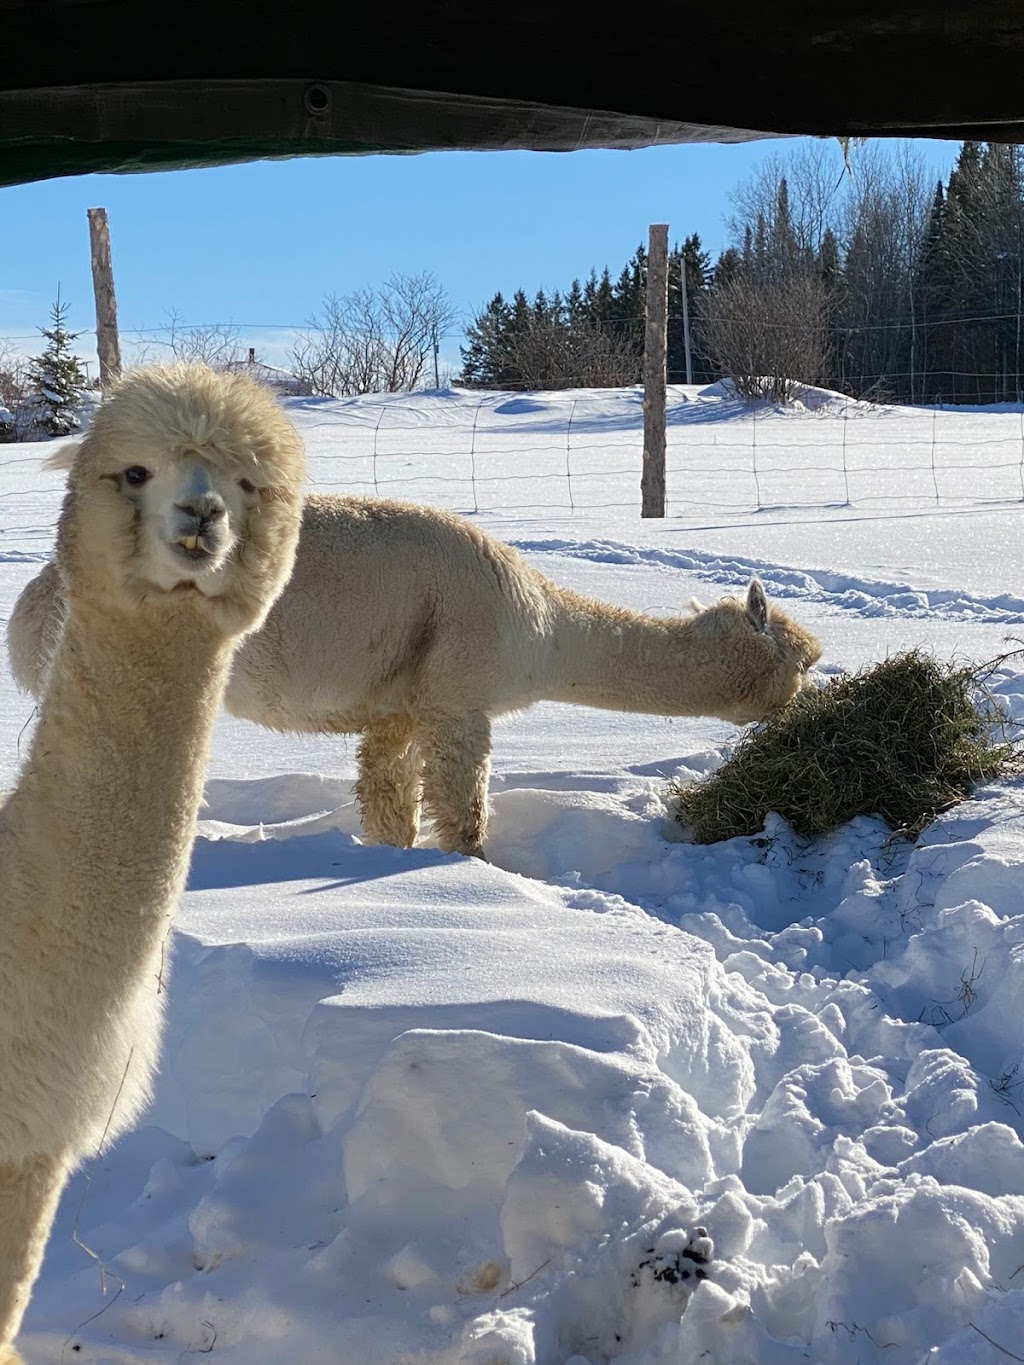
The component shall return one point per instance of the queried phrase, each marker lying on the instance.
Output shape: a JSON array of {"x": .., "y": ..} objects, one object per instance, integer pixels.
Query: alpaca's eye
[
  {"x": 247, "y": 485},
  {"x": 137, "y": 475}
]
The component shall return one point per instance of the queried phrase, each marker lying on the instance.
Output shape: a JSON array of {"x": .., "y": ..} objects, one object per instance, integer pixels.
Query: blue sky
[{"x": 261, "y": 244}]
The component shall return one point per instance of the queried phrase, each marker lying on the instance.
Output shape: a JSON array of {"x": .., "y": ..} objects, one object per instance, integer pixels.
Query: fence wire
[{"x": 570, "y": 454}]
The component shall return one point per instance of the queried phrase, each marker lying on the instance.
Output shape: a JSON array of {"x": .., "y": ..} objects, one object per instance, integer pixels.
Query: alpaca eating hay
[
  {"x": 904, "y": 739},
  {"x": 177, "y": 533},
  {"x": 415, "y": 628}
]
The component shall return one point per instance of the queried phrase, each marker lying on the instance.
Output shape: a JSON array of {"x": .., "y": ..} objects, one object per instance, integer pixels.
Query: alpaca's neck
[
  {"x": 106, "y": 807},
  {"x": 620, "y": 660}
]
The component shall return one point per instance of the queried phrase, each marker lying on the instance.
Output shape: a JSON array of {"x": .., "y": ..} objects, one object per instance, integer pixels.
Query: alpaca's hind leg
[
  {"x": 388, "y": 789},
  {"x": 456, "y": 765},
  {"x": 29, "y": 1191}
]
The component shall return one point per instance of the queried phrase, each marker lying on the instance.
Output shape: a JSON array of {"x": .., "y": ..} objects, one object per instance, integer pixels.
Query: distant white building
[{"x": 282, "y": 382}]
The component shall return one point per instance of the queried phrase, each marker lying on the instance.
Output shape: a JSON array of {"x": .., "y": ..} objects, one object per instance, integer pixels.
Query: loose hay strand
[{"x": 904, "y": 739}]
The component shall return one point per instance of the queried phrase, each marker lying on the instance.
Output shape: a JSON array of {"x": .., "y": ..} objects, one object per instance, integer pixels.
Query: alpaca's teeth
[{"x": 190, "y": 542}]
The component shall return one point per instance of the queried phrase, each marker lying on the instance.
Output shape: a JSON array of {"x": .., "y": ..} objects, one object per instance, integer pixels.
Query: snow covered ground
[{"x": 420, "y": 1110}]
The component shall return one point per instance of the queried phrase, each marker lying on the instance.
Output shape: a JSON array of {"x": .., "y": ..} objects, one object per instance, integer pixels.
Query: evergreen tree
[
  {"x": 590, "y": 296},
  {"x": 761, "y": 251},
  {"x": 625, "y": 290},
  {"x": 782, "y": 251},
  {"x": 965, "y": 179},
  {"x": 56, "y": 377},
  {"x": 630, "y": 302},
  {"x": 521, "y": 319},
  {"x": 1002, "y": 230},
  {"x": 980, "y": 259},
  {"x": 696, "y": 262},
  {"x": 965, "y": 214},
  {"x": 604, "y": 298},
  {"x": 830, "y": 270},
  {"x": 829, "y": 263},
  {"x": 728, "y": 267},
  {"x": 934, "y": 238},
  {"x": 483, "y": 359},
  {"x": 746, "y": 254},
  {"x": 934, "y": 277}
]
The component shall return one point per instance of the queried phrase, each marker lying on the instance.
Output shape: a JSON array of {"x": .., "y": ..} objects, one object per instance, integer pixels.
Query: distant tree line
[
  {"x": 592, "y": 336},
  {"x": 863, "y": 275},
  {"x": 868, "y": 278}
]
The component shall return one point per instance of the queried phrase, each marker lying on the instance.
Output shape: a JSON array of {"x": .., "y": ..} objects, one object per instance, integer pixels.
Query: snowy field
[{"x": 609, "y": 1097}]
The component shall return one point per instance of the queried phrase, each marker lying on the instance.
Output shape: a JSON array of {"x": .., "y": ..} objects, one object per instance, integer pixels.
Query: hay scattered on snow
[{"x": 904, "y": 739}]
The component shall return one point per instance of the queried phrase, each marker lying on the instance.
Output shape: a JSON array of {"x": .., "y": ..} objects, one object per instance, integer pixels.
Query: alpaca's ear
[
  {"x": 696, "y": 606},
  {"x": 757, "y": 605}
]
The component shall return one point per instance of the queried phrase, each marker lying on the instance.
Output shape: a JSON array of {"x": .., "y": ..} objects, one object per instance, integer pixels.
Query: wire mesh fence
[
  {"x": 585, "y": 451},
  {"x": 571, "y": 453}
]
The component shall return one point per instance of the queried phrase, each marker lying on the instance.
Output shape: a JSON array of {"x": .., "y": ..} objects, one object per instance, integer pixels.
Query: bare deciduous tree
[
  {"x": 814, "y": 176},
  {"x": 881, "y": 230},
  {"x": 546, "y": 354},
  {"x": 14, "y": 388},
  {"x": 769, "y": 335},
  {"x": 216, "y": 344},
  {"x": 374, "y": 340}
]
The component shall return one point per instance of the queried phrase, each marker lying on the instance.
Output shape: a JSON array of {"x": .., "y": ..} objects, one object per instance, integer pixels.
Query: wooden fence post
[
  {"x": 652, "y": 481},
  {"x": 108, "y": 345}
]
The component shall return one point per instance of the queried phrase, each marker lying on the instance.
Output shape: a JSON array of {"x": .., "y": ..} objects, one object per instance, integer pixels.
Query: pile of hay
[{"x": 904, "y": 739}]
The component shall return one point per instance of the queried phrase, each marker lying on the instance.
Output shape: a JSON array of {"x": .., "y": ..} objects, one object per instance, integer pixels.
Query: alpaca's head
[
  {"x": 758, "y": 658},
  {"x": 188, "y": 485}
]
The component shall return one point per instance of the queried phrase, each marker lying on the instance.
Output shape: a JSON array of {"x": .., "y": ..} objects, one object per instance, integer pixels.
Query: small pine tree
[{"x": 56, "y": 378}]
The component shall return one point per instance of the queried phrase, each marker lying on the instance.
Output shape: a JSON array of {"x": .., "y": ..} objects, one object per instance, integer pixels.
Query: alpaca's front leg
[
  {"x": 456, "y": 765},
  {"x": 388, "y": 789},
  {"x": 29, "y": 1193}
]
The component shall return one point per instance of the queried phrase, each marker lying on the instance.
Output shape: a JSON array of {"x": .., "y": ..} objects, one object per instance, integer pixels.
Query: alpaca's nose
[{"x": 205, "y": 507}]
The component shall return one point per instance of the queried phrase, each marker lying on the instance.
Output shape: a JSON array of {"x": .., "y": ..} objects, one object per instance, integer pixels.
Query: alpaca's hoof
[
  {"x": 461, "y": 846},
  {"x": 466, "y": 847}
]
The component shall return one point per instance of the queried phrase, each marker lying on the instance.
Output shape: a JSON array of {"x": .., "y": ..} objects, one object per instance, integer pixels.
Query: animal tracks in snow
[{"x": 859, "y": 596}]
